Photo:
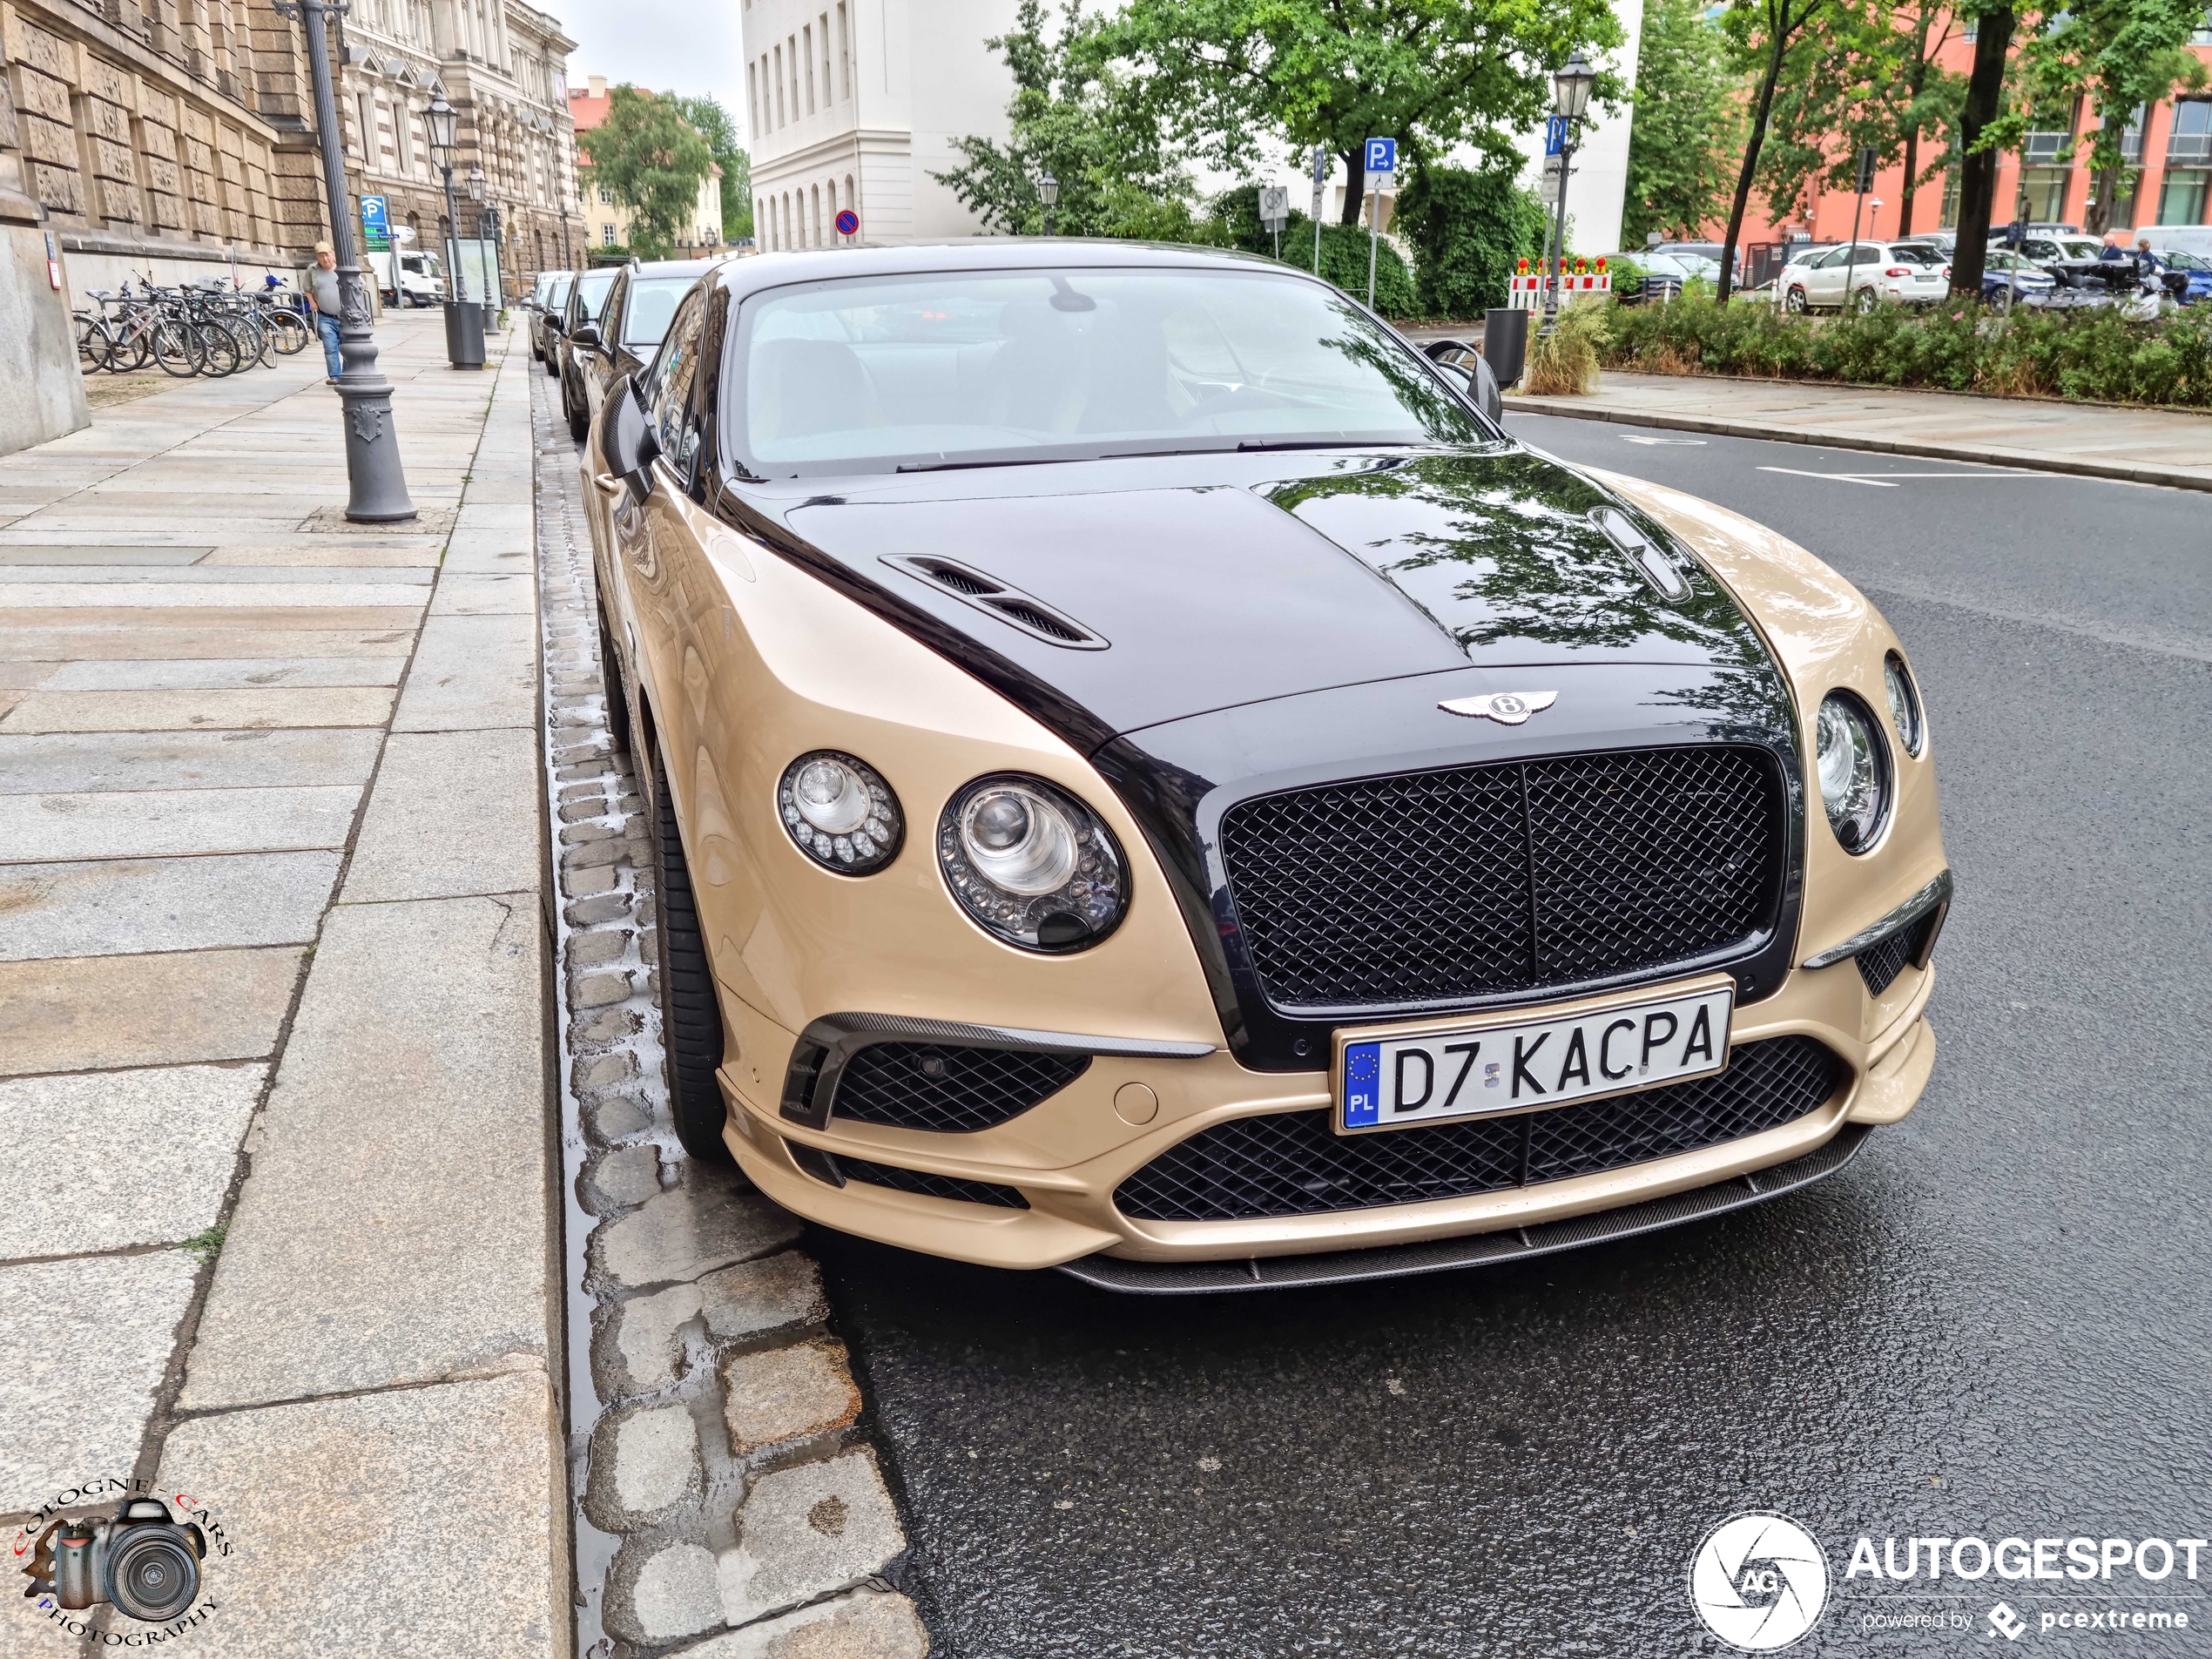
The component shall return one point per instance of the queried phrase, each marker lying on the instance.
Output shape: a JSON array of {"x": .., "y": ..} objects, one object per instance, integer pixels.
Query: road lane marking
[
  {"x": 1881, "y": 480},
  {"x": 1627, "y": 438}
]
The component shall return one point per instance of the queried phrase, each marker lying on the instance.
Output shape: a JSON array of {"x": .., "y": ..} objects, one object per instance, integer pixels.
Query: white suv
[{"x": 1912, "y": 271}]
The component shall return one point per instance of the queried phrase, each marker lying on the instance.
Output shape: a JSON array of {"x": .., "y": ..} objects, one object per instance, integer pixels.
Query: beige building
[
  {"x": 174, "y": 137},
  {"x": 854, "y": 103},
  {"x": 607, "y": 221}
]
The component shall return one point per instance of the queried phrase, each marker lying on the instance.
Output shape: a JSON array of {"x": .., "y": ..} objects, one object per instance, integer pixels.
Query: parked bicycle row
[{"x": 212, "y": 328}]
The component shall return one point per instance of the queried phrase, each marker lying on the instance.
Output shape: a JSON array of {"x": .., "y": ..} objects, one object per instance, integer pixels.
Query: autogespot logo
[{"x": 1759, "y": 1582}]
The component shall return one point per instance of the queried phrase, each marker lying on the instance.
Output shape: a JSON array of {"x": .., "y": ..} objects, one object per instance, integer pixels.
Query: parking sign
[
  {"x": 1382, "y": 156},
  {"x": 376, "y": 227}
]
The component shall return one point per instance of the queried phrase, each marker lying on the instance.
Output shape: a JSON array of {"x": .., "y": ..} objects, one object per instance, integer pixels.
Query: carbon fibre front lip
[{"x": 1477, "y": 1250}]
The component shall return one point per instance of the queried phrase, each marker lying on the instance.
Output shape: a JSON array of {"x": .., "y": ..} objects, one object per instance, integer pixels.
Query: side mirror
[
  {"x": 557, "y": 322},
  {"x": 585, "y": 335},
  {"x": 627, "y": 442},
  {"x": 1469, "y": 373}
]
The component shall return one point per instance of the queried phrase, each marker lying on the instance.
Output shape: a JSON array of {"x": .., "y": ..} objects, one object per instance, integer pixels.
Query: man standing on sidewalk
[{"x": 322, "y": 288}]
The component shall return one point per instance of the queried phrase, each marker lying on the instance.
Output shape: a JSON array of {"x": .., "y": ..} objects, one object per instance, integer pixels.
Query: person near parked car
[
  {"x": 2114, "y": 248},
  {"x": 323, "y": 289},
  {"x": 2146, "y": 266}
]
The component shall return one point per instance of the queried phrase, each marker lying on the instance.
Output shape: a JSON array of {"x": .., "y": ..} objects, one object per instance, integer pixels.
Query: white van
[
  {"x": 2189, "y": 238},
  {"x": 410, "y": 277}
]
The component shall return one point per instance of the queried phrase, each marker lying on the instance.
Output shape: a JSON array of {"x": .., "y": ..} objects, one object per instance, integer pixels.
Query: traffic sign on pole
[
  {"x": 1275, "y": 213},
  {"x": 1382, "y": 157},
  {"x": 1555, "y": 134},
  {"x": 848, "y": 222},
  {"x": 1320, "y": 185}
]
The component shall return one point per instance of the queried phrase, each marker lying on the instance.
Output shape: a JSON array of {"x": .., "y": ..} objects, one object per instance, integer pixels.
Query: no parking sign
[{"x": 848, "y": 222}]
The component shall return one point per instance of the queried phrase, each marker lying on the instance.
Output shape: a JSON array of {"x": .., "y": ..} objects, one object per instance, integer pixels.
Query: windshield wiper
[
  {"x": 964, "y": 466},
  {"x": 1248, "y": 447}
]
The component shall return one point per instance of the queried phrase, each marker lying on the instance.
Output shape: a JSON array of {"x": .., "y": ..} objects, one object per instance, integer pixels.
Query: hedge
[{"x": 1955, "y": 345}]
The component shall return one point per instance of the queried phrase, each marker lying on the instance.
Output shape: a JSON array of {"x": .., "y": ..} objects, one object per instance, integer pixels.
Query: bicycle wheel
[
  {"x": 133, "y": 344},
  {"x": 222, "y": 353},
  {"x": 290, "y": 333},
  {"x": 95, "y": 345},
  {"x": 178, "y": 349}
]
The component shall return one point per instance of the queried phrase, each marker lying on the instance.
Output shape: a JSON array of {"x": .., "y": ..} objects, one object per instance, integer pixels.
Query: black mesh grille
[
  {"x": 929, "y": 1186},
  {"x": 1436, "y": 885},
  {"x": 924, "y": 1085},
  {"x": 1882, "y": 961},
  {"x": 1294, "y": 1165}
]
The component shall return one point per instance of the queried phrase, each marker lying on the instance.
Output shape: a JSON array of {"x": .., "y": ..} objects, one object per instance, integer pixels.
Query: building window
[
  {"x": 2189, "y": 143},
  {"x": 606, "y": 236},
  {"x": 844, "y": 52},
  {"x": 828, "y": 93},
  {"x": 753, "y": 95},
  {"x": 403, "y": 135},
  {"x": 806, "y": 41},
  {"x": 606, "y": 197},
  {"x": 779, "y": 58},
  {"x": 2042, "y": 193},
  {"x": 2202, "y": 37},
  {"x": 1948, "y": 214},
  {"x": 2180, "y": 198}
]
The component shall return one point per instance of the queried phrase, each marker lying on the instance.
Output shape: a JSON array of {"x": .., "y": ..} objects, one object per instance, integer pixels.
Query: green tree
[
  {"x": 1687, "y": 125},
  {"x": 2113, "y": 55},
  {"x": 1866, "y": 77},
  {"x": 1236, "y": 78},
  {"x": 713, "y": 123},
  {"x": 652, "y": 160},
  {"x": 1236, "y": 223},
  {"x": 1764, "y": 36},
  {"x": 1072, "y": 118},
  {"x": 1467, "y": 229}
]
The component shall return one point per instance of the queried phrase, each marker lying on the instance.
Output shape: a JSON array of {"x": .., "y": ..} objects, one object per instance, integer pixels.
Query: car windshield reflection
[{"x": 1005, "y": 368}]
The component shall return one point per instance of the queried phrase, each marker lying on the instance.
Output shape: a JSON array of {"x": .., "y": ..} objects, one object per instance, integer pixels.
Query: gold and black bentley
[{"x": 1150, "y": 778}]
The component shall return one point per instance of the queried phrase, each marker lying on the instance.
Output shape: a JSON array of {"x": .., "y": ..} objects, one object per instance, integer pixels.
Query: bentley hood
[{"x": 1155, "y": 599}]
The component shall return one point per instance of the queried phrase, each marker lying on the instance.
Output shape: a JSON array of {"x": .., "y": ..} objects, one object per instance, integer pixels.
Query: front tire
[
  {"x": 1794, "y": 303},
  {"x": 690, "y": 1019},
  {"x": 579, "y": 424}
]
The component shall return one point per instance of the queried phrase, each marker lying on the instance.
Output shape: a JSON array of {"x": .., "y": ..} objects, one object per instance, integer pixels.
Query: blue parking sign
[
  {"x": 1382, "y": 155},
  {"x": 1555, "y": 134}
]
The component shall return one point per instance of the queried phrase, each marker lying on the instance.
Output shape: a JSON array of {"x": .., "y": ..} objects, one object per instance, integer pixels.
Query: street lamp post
[
  {"x": 1048, "y": 193},
  {"x": 1571, "y": 86},
  {"x": 376, "y": 484},
  {"x": 464, "y": 326}
]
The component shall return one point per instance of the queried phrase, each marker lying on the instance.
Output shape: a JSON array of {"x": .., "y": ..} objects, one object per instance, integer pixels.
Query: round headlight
[
  {"x": 1904, "y": 703},
  {"x": 1854, "y": 770},
  {"x": 841, "y": 812},
  {"x": 1032, "y": 864}
]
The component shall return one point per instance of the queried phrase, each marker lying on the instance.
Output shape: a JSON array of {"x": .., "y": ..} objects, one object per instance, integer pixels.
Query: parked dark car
[
  {"x": 587, "y": 299},
  {"x": 550, "y": 303},
  {"x": 630, "y": 328}
]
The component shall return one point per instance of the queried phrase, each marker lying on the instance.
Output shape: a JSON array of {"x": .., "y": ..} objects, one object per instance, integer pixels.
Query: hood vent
[{"x": 1010, "y": 605}]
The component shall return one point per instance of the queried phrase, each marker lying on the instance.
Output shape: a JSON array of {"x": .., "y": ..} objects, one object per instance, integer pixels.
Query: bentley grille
[
  {"x": 1292, "y": 1163},
  {"x": 1440, "y": 886},
  {"x": 926, "y": 1085}
]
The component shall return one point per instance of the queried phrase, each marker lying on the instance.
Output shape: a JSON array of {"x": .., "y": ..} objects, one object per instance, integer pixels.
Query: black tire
[
  {"x": 618, "y": 694},
  {"x": 579, "y": 420},
  {"x": 1794, "y": 301},
  {"x": 690, "y": 1020}
]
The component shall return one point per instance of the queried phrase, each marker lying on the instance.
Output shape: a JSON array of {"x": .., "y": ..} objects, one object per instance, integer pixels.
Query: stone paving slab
[
  {"x": 182, "y": 1125},
  {"x": 67, "y": 555},
  {"x": 170, "y": 595},
  {"x": 215, "y": 672},
  {"x": 238, "y": 708},
  {"x": 471, "y": 672},
  {"x": 173, "y": 823},
  {"x": 61, "y": 1015},
  {"x": 485, "y": 596},
  {"x": 68, "y": 763},
  {"x": 867, "y": 1624},
  {"x": 2143, "y": 446},
  {"x": 405, "y": 1138},
  {"x": 301, "y": 555},
  {"x": 77, "y": 1409},
  {"x": 404, "y": 1525},
  {"x": 454, "y": 813},
  {"x": 120, "y": 905},
  {"x": 13, "y": 576},
  {"x": 127, "y": 642}
]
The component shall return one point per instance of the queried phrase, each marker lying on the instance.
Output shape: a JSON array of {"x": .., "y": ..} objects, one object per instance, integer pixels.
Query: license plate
[{"x": 1389, "y": 1077}]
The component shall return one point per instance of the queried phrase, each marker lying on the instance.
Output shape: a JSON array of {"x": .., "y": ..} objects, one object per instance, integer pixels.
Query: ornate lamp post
[
  {"x": 1048, "y": 193},
  {"x": 464, "y": 323},
  {"x": 376, "y": 484},
  {"x": 1571, "y": 86}
]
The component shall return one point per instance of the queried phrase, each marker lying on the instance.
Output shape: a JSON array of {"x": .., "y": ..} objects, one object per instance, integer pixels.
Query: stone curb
[
  {"x": 721, "y": 1485},
  {"x": 1521, "y": 403}
]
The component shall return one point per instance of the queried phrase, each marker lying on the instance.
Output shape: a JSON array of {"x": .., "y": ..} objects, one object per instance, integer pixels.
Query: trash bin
[
  {"x": 1504, "y": 344},
  {"x": 464, "y": 334}
]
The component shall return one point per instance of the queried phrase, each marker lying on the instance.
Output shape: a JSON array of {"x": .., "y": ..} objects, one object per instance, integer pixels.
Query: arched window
[{"x": 817, "y": 216}]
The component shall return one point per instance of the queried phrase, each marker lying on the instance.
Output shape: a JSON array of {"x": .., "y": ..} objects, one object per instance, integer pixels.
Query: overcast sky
[{"x": 658, "y": 43}]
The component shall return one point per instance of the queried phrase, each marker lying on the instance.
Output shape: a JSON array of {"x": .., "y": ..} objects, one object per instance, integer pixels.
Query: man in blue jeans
[{"x": 323, "y": 289}]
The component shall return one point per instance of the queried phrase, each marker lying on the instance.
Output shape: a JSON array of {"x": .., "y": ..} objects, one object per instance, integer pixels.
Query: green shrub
[
  {"x": 1565, "y": 361},
  {"x": 1467, "y": 230},
  {"x": 1234, "y": 222},
  {"x": 1953, "y": 346}
]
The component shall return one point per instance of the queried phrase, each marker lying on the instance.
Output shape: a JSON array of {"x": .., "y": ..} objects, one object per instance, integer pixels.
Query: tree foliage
[
  {"x": 2113, "y": 55},
  {"x": 1072, "y": 118},
  {"x": 1688, "y": 126},
  {"x": 1234, "y": 78},
  {"x": 1467, "y": 230},
  {"x": 714, "y": 125},
  {"x": 1764, "y": 36},
  {"x": 651, "y": 160}
]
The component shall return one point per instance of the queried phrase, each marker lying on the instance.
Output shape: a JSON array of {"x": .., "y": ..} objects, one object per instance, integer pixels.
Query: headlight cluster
[
  {"x": 841, "y": 812},
  {"x": 1854, "y": 770},
  {"x": 1032, "y": 864}
]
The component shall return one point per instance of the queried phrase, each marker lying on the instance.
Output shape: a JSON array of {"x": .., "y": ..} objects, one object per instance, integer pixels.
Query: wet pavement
[{"x": 1992, "y": 1323}]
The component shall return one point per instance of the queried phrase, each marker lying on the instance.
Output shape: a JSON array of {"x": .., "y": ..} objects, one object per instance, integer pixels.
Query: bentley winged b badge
[{"x": 1507, "y": 708}]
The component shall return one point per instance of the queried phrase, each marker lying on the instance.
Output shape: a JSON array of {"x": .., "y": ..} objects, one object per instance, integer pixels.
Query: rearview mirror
[
  {"x": 586, "y": 334},
  {"x": 628, "y": 444}
]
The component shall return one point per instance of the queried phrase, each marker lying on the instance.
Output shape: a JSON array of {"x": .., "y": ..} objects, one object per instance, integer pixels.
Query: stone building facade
[{"x": 174, "y": 138}]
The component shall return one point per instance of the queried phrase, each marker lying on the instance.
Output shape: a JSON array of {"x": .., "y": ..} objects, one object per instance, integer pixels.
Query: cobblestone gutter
[{"x": 727, "y": 1506}]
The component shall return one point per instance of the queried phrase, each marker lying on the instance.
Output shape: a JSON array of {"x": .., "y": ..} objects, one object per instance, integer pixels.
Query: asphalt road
[{"x": 1993, "y": 1324}]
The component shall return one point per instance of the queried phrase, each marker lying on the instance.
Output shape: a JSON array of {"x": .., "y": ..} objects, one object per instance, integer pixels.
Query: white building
[
  {"x": 853, "y": 103},
  {"x": 1597, "y": 189}
]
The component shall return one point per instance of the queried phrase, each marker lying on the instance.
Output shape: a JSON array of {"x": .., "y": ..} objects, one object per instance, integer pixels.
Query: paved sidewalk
[
  {"x": 2094, "y": 441},
  {"x": 271, "y": 1009}
]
